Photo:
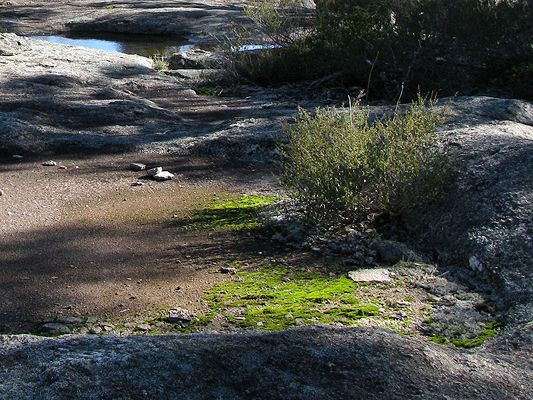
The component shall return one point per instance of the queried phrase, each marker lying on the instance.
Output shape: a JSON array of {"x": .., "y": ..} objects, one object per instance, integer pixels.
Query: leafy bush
[{"x": 338, "y": 164}]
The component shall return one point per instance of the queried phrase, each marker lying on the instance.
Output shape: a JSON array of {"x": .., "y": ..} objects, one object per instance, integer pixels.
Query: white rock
[
  {"x": 163, "y": 176},
  {"x": 370, "y": 275},
  {"x": 49, "y": 163},
  {"x": 154, "y": 171}
]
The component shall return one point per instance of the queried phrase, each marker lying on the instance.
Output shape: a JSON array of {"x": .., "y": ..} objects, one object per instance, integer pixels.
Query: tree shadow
[{"x": 98, "y": 270}]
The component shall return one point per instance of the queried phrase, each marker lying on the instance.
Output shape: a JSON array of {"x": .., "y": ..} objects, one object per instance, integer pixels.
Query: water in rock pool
[{"x": 144, "y": 45}]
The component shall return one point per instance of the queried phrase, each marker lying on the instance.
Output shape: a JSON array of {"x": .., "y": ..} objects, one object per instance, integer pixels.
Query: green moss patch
[
  {"x": 232, "y": 214},
  {"x": 489, "y": 331},
  {"x": 278, "y": 298}
]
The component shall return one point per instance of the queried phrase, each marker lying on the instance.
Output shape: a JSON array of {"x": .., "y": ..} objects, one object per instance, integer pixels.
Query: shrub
[{"x": 340, "y": 165}]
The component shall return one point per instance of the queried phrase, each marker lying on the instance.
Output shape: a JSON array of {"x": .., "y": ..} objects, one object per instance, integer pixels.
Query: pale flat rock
[
  {"x": 370, "y": 275},
  {"x": 163, "y": 176}
]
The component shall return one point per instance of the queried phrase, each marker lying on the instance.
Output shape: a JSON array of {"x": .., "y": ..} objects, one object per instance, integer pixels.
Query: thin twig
[{"x": 370, "y": 75}]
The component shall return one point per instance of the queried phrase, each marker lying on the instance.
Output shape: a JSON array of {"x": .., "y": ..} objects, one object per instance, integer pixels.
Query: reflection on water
[{"x": 144, "y": 45}]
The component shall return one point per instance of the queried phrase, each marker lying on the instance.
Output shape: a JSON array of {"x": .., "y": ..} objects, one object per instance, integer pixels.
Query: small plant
[
  {"x": 159, "y": 63},
  {"x": 338, "y": 164},
  {"x": 203, "y": 91}
]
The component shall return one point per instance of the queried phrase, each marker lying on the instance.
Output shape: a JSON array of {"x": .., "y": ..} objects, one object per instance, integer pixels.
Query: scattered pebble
[
  {"x": 18, "y": 157},
  {"x": 49, "y": 163},
  {"x": 137, "y": 184}
]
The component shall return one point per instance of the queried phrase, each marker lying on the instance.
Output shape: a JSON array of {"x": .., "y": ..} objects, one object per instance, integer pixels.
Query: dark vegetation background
[{"x": 396, "y": 48}]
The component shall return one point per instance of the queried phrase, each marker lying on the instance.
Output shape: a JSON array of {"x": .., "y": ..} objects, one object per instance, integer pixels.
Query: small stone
[
  {"x": 17, "y": 157},
  {"x": 62, "y": 167},
  {"x": 106, "y": 326},
  {"x": 137, "y": 184},
  {"x": 49, "y": 163},
  {"x": 226, "y": 270},
  {"x": 179, "y": 314},
  {"x": 68, "y": 320},
  {"x": 475, "y": 264},
  {"x": 154, "y": 171},
  {"x": 95, "y": 330},
  {"x": 137, "y": 166},
  {"x": 91, "y": 320},
  {"x": 370, "y": 275},
  {"x": 83, "y": 330},
  {"x": 56, "y": 327},
  {"x": 163, "y": 176},
  {"x": 143, "y": 328},
  {"x": 1, "y": 192}
]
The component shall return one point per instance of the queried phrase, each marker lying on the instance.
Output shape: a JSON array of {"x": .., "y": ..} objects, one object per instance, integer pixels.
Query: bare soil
[{"x": 79, "y": 239}]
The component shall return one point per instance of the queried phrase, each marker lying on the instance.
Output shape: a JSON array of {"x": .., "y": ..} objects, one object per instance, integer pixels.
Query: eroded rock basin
[{"x": 57, "y": 98}]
